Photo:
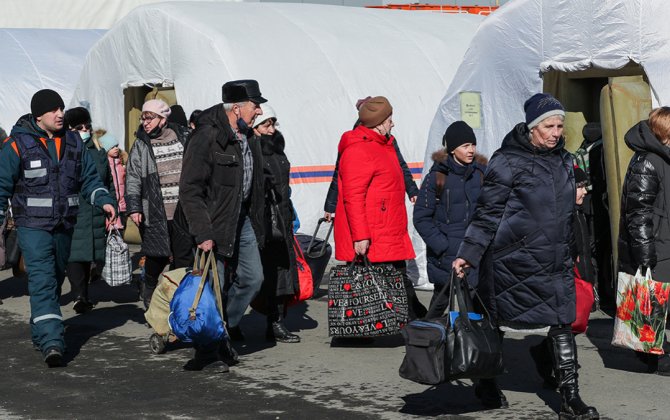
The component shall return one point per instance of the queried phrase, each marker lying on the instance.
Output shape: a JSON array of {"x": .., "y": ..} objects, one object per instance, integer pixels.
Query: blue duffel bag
[{"x": 196, "y": 309}]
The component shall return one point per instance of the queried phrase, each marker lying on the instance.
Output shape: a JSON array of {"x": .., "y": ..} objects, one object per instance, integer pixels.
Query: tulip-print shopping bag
[{"x": 642, "y": 307}]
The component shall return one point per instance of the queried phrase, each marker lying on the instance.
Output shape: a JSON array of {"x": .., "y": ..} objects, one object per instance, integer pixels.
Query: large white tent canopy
[
  {"x": 35, "y": 59},
  {"x": 68, "y": 14},
  {"x": 312, "y": 62},
  {"x": 525, "y": 38}
]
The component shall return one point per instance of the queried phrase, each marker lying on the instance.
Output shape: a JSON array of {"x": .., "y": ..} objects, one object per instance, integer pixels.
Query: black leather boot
[
  {"x": 207, "y": 359},
  {"x": 564, "y": 351},
  {"x": 277, "y": 331},
  {"x": 489, "y": 393},
  {"x": 150, "y": 284},
  {"x": 541, "y": 355},
  {"x": 227, "y": 353}
]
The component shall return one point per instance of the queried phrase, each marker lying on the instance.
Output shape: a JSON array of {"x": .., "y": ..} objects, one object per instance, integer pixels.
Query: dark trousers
[
  {"x": 416, "y": 308},
  {"x": 79, "y": 274},
  {"x": 182, "y": 256},
  {"x": 45, "y": 254}
]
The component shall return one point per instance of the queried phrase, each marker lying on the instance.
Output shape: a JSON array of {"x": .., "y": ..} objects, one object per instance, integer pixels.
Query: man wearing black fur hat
[
  {"x": 43, "y": 168},
  {"x": 221, "y": 193}
]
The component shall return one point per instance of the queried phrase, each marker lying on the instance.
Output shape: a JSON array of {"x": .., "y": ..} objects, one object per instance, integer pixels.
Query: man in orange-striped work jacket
[{"x": 43, "y": 169}]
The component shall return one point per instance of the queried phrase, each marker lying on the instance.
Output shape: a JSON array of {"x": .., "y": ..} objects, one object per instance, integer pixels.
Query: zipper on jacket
[{"x": 446, "y": 205}]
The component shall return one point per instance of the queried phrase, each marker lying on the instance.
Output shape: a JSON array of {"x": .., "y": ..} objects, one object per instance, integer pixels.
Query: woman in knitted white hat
[
  {"x": 152, "y": 189},
  {"x": 279, "y": 264}
]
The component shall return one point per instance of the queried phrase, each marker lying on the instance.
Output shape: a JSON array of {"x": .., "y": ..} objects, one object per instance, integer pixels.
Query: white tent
[
  {"x": 35, "y": 59},
  {"x": 68, "y": 14},
  {"x": 526, "y": 38},
  {"x": 312, "y": 62},
  {"x": 526, "y": 41}
]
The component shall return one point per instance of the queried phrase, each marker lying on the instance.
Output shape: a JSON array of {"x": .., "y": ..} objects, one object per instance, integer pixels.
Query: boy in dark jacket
[{"x": 446, "y": 204}]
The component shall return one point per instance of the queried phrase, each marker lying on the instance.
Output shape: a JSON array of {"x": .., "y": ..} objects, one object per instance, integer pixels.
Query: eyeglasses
[
  {"x": 82, "y": 127},
  {"x": 148, "y": 118}
]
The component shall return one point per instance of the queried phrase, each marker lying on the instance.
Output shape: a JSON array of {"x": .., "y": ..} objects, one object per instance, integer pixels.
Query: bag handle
[
  {"x": 113, "y": 231},
  {"x": 438, "y": 298},
  {"x": 322, "y": 252},
  {"x": 457, "y": 284},
  {"x": 199, "y": 260},
  {"x": 210, "y": 263},
  {"x": 367, "y": 264}
]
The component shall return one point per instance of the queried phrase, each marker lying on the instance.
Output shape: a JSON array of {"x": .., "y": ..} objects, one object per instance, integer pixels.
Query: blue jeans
[
  {"x": 246, "y": 283},
  {"x": 45, "y": 255}
]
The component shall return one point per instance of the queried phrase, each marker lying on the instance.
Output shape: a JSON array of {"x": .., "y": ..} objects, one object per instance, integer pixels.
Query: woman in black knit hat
[
  {"x": 89, "y": 238},
  {"x": 520, "y": 240}
]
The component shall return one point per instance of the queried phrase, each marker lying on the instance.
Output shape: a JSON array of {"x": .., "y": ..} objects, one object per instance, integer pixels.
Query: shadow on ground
[{"x": 81, "y": 328}]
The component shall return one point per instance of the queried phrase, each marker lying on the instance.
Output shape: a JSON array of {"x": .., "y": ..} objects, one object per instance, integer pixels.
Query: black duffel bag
[{"x": 460, "y": 344}]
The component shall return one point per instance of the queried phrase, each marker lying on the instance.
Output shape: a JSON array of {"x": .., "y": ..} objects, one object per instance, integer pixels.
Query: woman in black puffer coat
[
  {"x": 644, "y": 229},
  {"x": 278, "y": 256},
  {"x": 522, "y": 241},
  {"x": 89, "y": 238}
]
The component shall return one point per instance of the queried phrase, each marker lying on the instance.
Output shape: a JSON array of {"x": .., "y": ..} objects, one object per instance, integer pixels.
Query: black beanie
[
  {"x": 77, "y": 116},
  {"x": 458, "y": 134},
  {"x": 580, "y": 175},
  {"x": 44, "y": 101}
]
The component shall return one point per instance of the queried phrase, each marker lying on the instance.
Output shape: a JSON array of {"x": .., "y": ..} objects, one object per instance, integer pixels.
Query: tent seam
[
  {"x": 215, "y": 46},
  {"x": 430, "y": 60},
  {"x": 321, "y": 49},
  {"x": 32, "y": 63}
]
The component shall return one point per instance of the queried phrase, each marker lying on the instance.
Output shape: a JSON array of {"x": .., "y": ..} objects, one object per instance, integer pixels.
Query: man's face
[
  {"x": 248, "y": 112},
  {"x": 545, "y": 135},
  {"x": 51, "y": 121}
]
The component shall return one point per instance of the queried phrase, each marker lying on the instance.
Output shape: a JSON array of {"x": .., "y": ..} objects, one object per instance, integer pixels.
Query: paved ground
[{"x": 111, "y": 373}]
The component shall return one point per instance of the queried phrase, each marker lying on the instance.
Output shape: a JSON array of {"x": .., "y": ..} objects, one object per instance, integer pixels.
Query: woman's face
[
  {"x": 84, "y": 130},
  {"x": 266, "y": 128},
  {"x": 113, "y": 152},
  {"x": 465, "y": 153},
  {"x": 385, "y": 127},
  {"x": 151, "y": 121},
  {"x": 546, "y": 134}
]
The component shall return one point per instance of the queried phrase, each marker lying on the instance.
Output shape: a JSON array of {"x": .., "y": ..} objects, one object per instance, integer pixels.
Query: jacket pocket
[
  {"x": 35, "y": 173},
  {"x": 228, "y": 166},
  {"x": 508, "y": 249},
  {"x": 383, "y": 211}
]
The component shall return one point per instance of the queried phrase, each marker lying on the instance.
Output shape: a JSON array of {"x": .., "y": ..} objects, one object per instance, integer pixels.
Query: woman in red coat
[{"x": 371, "y": 216}]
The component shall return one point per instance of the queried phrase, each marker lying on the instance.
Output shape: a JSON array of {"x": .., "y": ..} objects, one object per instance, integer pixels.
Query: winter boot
[
  {"x": 489, "y": 393},
  {"x": 227, "y": 353},
  {"x": 277, "y": 331},
  {"x": 208, "y": 360},
  {"x": 541, "y": 355},
  {"x": 150, "y": 284},
  {"x": 565, "y": 365}
]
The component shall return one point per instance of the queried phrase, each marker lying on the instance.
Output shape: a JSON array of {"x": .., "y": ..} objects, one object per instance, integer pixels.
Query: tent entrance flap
[{"x": 617, "y": 99}]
